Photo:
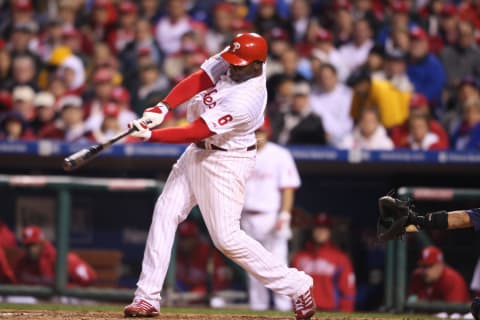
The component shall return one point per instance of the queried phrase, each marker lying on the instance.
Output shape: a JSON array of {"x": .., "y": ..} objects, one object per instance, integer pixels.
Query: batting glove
[
  {"x": 154, "y": 116},
  {"x": 141, "y": 129},
  {"x": 283, "y": 225}
]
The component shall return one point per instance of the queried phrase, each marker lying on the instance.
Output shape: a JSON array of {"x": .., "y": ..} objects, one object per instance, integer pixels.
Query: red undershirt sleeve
[
  {"x": 187, "y": 88},
  {"x": 196, "y": 131}
]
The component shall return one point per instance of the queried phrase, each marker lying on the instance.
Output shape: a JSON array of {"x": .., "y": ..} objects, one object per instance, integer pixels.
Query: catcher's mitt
[{"x": 395, "y": 215}]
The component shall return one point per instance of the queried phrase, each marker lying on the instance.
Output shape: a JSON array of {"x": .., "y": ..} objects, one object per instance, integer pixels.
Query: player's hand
[
  {"x": 141, "y": 129},
  {"x": 154, "y": 116},
  {"x": 282, "y": 226}
]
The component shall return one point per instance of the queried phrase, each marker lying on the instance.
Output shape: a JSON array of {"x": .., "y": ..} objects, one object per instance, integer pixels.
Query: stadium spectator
[
  {"x": 121, "y": 97},
  {"x": 14, "y": 127},
  {"x": 45, "y": 113},
  {"x": 395, "y": 72},
  {"x": 465, "y": 51},
  {"x": 194, "y": 255},
  {"x": 23, "y": 72},
  {"x": 467, "y": 136},
  {"x": 434, "y": 280},
  {"x": 170, "y": 28},
  {"x": 355, "y": 52},
  {"x": 376, "y": 93},
  {"x": 299, "y": 125},
  {"x": 217, "y": 37},
  {"x": 267, "y": 17},
  {"x": 397, "y": 18},
  {"x": 299, "y": 19},
  {"x": 419, "y": 107},
  {"x": 72, "y": 71},
  {"x": 152, "y": 87},
  {"x": 103, "y": 91},
  {"x": 343, "y": 24},
  {"x": 110, "y": 126},
  {"x": 279, "y": 42},
  {"x": 421, "y": 136},
  {"x": 331, "y": 268},
  {"x": 325, "y": 51},
  {"x": 23, "y": 102},
  {"x": 283, "y": 97},
  {"x": 424, "y": 69},
  {"x": 150, "y": 10},
  {"x": 375, "y": 60},
  {"x": 70, "y": 126},
  {"x": 368, "y": 134},
  {"x": 37, "y": 265},
  {"x": 119, "y": 38},
  {"x": 331, "y": 100}
]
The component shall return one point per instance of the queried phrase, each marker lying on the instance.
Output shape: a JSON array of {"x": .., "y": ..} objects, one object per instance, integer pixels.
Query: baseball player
[
  {"x": 269, "y": 198},
  {"x": 225, "y": 102}
]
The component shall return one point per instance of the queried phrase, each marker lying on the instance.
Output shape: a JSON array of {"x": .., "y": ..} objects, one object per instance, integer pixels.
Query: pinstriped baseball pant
[{"x": 215, "y": 180}]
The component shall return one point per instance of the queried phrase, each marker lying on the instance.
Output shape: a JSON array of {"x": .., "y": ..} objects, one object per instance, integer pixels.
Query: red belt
[{"x": 203, "y": 145}]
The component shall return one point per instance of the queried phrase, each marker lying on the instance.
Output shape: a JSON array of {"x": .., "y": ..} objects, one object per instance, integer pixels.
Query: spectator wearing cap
[
  {"x": 102, "y": 94},
  {"x": 77, "y": 41},
  {"x": 331, "y": 101},
  {"x": 103, "y": 19},
  {"x": 121, "y": 97},
  {"x": 103, "y": 58},
  {"x": 399, "y": 13},
  {"x": 122, "y": 35},
  {"x": 434, "y": 280},
  {"x": 279, "y": 42},
  {"x": 45, "y": 113},
  {"x": 37, "y": 265},
  {"x": 14, "y": 127},
  {"x": 110, "y": 126},
  {"x": 467, "y": 135},
  {"x": 170, "y": 28},
  {"x": 217, "y": 37},
  {"x": 325, "y": 52},
  {"x": 419, "y": 108},
  {"x": 23, "y": 102},
  {"x": 299, "y": 125},
  {"x": 193, "y": 256},
  {"x": 71, "y": 126},
  {"x": 398, "y": 42},
  {"x": 368, "y": 134},
  {"x": 355, "y": 52},
  {"x": 49, "y": 71},
  {"x": 424, "y": 69},
  {"x": 334, "y": 286},
  {"x": 468, "y": 88},
  {"x": 395, "y": 72},
  {"x": 23, "y": 39},
  {"x": 469, "y": 11},
  {"x": 375, "y": 60},
  {"x": 462, "y": 58}
]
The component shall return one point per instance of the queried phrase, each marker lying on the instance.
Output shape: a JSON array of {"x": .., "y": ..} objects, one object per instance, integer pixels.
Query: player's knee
[{"x": 227, "y": 244}]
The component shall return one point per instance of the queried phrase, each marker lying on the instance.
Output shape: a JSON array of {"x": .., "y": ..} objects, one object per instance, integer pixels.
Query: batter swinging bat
[{"x": 83, "y": 156}]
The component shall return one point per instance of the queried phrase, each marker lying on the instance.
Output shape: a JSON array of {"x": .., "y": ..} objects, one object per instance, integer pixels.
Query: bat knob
[{"x": 67, "y": 164}]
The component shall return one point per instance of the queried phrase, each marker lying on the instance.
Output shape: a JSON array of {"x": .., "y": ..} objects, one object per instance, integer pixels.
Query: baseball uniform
[
  {"x": 216, "y": 181},
  {"x": 274, "y": 170}
]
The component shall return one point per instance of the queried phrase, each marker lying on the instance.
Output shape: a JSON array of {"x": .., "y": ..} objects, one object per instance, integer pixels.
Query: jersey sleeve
[
  {"x": 289, "y": 177},
  {"x": 475, "y": 218},
  {"x": 215, "y": 67}
]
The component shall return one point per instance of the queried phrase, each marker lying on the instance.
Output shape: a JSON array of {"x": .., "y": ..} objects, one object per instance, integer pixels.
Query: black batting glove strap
[{"x": 437, "y": 220}]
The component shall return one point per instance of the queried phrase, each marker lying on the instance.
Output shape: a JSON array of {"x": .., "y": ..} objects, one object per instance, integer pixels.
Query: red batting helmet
[{"x": 246, "y": 48}]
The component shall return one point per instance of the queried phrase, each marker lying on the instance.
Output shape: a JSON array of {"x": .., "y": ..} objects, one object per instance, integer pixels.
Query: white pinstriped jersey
[
  {"x": 274, "y": 170},
  {"x": 232, "y": 110}
]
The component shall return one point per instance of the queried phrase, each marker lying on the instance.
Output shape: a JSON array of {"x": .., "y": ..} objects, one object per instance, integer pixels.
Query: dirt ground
[{"x": 82, "y": 315}]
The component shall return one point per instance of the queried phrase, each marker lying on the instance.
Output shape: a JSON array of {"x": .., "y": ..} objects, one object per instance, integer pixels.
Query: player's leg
[
  {"x": 279, "y": 248},
  {"x": 172, "y": 207},
  {"x": 219, "y": 186},
  {"x": 258, "y": 294}
]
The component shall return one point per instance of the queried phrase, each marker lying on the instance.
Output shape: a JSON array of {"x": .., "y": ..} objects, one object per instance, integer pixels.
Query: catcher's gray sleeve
[{"x": 475, "y": 217}]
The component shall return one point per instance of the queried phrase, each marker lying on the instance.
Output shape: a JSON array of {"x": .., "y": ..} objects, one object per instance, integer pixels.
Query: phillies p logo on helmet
[{"x": 235, "y": 46}]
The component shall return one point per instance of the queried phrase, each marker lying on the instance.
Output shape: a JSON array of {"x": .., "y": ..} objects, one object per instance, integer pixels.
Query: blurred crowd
[{"x": 370, "y": 74}]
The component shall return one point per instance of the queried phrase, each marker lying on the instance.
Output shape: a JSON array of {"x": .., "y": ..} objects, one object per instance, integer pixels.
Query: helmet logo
[{"x": 235, "y": 46}]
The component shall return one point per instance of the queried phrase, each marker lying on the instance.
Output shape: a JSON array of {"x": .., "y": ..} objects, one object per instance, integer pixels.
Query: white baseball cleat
[{"x": 304, "y": 306}]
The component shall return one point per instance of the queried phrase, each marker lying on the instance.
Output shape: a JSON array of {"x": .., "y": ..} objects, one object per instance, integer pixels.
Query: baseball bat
[{"x": 79, "y": 158}]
